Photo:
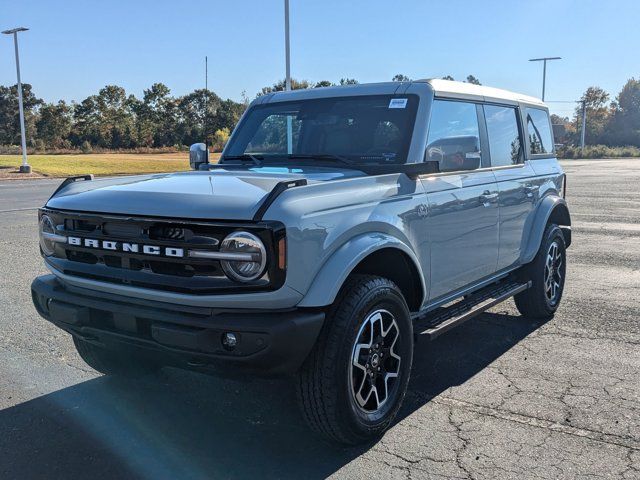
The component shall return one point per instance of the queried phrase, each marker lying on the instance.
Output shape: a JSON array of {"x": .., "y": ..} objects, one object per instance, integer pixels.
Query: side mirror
[
  {"x": 414, "y": 170},
  {"x": 198, "y": 156}
]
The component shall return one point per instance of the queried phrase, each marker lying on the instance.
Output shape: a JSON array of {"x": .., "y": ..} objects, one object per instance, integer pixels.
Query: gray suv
[{"x": 339, "y": 226}]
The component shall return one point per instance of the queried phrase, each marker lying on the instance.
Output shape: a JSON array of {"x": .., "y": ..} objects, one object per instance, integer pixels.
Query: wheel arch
[
  {"x": 552, "y": 209},
  {"x": 374, "y": 254}
]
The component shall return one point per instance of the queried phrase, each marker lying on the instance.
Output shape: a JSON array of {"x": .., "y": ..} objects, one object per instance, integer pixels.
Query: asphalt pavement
[{"x": 500, "y": 397}]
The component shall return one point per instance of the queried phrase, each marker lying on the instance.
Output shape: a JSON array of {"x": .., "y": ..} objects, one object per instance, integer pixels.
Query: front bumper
[{"x": 269, "y": 342}]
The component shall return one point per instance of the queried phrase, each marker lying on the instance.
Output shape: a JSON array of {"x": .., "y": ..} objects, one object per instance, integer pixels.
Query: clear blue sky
[{"x": 76, "y": 47}]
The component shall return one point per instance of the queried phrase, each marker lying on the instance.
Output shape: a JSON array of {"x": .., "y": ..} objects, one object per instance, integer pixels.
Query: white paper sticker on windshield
[{"x": 398, "y": 103}]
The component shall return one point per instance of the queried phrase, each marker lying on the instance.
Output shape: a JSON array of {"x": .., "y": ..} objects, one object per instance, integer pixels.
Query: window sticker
[{"x": 398, "y": 103}]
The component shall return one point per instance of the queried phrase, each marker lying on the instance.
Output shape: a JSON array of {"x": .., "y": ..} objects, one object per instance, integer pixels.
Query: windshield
[{"x": 352, "y": 130}]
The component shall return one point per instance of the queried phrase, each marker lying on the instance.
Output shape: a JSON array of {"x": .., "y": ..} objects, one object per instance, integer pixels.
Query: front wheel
[
  {"x": 547, "y": 273},
  {"x": 353, "y": 383}
]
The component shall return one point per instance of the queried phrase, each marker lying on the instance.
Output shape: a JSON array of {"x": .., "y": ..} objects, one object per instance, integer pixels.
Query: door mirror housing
[
  {"x": 198, "y": 156},
  {"x": 414, "y": 170}
]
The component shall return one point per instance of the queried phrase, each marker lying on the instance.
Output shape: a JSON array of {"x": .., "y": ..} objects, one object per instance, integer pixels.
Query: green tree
[
  {"x": 348, "y": 81},
  {"x": 399, "y": 77},
  {"x": 279, "y": 86},
  {"x": 194, "y": 124},
  {"x": 596, "y": 101},
  {"x": 220, "y": 138},
  {"x": 54, "y": 124},
  {"x": 624, "y": 124},
  {"x": 10, "y": 116},
  {"x": 323, "y": 83},
  {"x": 470, "y": 79},
  {"x": 473, "y": 80},
  {"x": 86, "y": 123},
  {"x": 156, "y": 117},
  {"x": 563, "y": 129}
]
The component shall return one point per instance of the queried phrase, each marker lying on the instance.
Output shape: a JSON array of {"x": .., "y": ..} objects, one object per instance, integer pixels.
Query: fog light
[{"x": 229, "y": 341}]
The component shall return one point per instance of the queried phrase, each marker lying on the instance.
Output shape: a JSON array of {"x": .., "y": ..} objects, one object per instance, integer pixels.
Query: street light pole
[
  {"x": 24, "y": 168},
  {"x": 287, "y": 49},
  {"x": 287, "y": 80},
  {"x": 544, "y": 70}
]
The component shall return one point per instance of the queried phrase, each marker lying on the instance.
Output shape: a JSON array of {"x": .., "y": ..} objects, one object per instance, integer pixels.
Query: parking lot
[{"x": 500, "y": 397}]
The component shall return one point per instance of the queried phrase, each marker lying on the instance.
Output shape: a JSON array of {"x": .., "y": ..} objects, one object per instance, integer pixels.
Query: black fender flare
[{"x": 552, "y": 208}]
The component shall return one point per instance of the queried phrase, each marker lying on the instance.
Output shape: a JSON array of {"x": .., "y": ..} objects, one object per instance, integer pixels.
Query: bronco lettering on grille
[{"x": 126, "y": 247}]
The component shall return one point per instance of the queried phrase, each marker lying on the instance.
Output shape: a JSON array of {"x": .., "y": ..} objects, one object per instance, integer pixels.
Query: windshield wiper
[{"x": 244, "y": 157}]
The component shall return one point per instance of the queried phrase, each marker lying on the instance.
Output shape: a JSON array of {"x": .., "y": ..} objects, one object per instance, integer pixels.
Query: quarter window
[
  {"x": 504, "y": 136},
  {"x": 454, "y": 136},
  {"x": 539, "y": 131}
]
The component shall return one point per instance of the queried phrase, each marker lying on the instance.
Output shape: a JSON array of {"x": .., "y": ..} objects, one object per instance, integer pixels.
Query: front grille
[{"x": 179, "y": 274}]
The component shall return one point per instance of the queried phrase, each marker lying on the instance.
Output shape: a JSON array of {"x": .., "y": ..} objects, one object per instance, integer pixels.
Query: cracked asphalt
[{"x": 499, "y": 397}]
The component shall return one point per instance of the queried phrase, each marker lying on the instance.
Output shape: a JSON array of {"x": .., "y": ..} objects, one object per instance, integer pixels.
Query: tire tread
[{"x": 316, "y": 387}]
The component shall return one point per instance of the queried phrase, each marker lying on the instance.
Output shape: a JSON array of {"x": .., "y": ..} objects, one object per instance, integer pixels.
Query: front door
[{"x": 463, "y": 200}]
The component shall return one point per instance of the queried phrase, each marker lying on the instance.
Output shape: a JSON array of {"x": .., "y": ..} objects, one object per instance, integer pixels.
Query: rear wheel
[
  {"x": 547, "y": 273},
  {"x": 113, "y": 362},
  {"x": 353, "y": 383}
]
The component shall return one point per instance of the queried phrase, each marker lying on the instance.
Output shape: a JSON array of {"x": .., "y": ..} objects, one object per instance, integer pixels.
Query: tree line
[
  {"x": 614, "y": 123},
  {"x": 114, "y": 120},
  {"x": 111, "y": 119}
]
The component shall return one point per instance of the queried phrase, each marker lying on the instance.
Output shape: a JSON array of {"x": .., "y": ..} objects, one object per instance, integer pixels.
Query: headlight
[
  {"x": 250, "y": 253},
  {"x": 46, "y": 228}
]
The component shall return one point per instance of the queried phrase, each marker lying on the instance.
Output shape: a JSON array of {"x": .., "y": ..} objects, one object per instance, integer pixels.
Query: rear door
[
  {"x": 516, "y": 187},
  {"x": 463, "y": 199}
]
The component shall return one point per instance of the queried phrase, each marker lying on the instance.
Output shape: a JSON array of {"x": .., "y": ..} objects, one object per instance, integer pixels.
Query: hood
[{"x": 220, "y": 194}]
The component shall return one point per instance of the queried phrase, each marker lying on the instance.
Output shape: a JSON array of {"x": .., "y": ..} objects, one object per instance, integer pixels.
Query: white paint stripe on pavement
[{"x": 19, "y": 209}]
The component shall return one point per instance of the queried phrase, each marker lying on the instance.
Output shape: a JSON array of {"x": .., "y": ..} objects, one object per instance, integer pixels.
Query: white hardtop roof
[
  {"x": 450, "y": 88},
  {"x": 441, "y": 88}
]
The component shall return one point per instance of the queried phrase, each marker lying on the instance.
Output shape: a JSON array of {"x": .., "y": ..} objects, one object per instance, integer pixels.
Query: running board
[{"x": 443, "y": 319}]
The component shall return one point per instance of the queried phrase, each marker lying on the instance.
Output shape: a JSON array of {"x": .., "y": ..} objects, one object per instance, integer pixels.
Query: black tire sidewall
[
  {"x": 553, "y": 233},
  {"x": 387, "y": 298}
]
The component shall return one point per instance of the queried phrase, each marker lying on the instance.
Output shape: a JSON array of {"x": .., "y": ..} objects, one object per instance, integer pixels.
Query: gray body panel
[
  {"x": 455, "y": 237},
  {"x": 222, "y": 194}
]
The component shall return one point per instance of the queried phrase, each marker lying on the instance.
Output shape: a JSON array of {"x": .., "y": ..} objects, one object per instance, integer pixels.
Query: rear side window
[
  {"x": 454, "y": 136},
  {"x": 504, "y": 136},
  {"x": 539, "y": 131}
]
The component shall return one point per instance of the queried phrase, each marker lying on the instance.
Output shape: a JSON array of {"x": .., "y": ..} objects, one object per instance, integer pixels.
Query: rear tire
[
  {"x": 113, "y": 362},
  {"x": 547, "y": 273},
  {"x": 352, "y": 385}
]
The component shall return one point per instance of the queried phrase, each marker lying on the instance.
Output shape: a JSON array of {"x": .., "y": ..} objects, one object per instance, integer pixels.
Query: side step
[{"x": 443, "y": 319}]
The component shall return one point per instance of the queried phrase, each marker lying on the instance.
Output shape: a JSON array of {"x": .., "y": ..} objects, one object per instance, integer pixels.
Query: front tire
[
  {"x": 353, "y": 383},
  {"x": 111, "y": 362},
  {"x": 547, "y": 273}
]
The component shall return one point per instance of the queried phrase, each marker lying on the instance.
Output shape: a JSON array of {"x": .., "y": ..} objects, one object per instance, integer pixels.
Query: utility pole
[
  {"x": 25, "y": 167},
  {"x": 287, "y": 80},
  {"x": 206, "y": 98},
  {"x": 584, "y": 123},
  {"x": 544, "y": 70}
]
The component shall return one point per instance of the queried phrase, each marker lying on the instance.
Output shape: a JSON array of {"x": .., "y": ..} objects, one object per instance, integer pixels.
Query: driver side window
[{"x": 454, "y": 136}]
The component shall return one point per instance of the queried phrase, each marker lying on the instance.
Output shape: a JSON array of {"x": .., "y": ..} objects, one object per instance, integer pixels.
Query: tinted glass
[
  {"x": 504, "y": 138},
  {"x": 371, "y": 129},
  {"x": 454, "y": 136},
  {"x": 539, "y": 131}
]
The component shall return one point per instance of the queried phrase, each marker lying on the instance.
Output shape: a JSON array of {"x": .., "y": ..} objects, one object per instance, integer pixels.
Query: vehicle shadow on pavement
[{"x": 185, "y": 425}]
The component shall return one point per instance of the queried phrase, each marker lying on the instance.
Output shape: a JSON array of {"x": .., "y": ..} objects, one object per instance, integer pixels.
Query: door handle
[
  {"x": 530, "y": 190},
  {"x": 487, "y": 197}
]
